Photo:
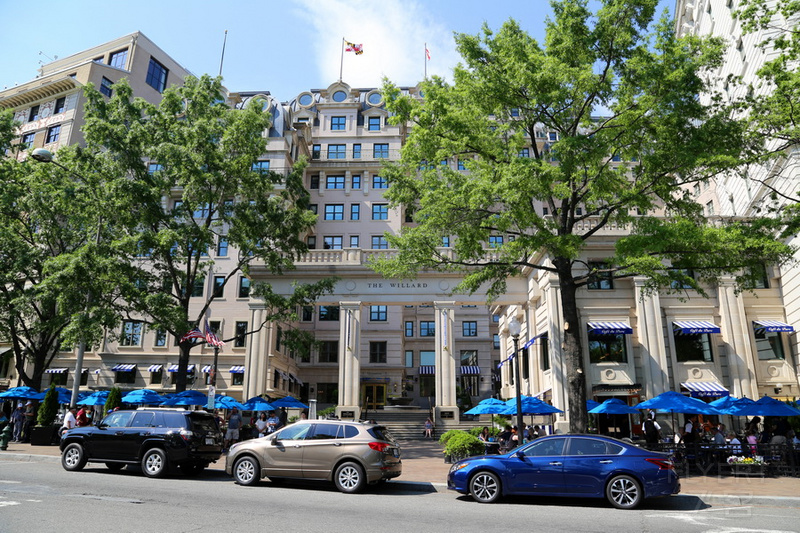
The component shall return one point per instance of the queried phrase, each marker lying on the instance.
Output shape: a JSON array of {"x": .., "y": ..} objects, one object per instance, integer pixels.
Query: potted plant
[
  {"x": 45, "y": 432},
  {"x": 459, "y": 445},
  {"x": 113, "y": 401},
  {"x": 746, "y": 466}
]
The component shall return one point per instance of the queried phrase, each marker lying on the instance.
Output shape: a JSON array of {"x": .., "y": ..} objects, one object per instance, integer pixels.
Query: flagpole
[
  {"x": 341, "y": 61},
  {"x": 426, "y": 60},
  {"x": 222, "y": 57}
]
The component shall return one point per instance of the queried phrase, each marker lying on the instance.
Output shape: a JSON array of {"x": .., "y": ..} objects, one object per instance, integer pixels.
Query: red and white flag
[
  {"x": 352, "y": 47},
  {"x": 427, "y": 53}
]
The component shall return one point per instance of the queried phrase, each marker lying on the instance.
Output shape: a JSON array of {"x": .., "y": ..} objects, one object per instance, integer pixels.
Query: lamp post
[
  {"x": 514, "y": 329},
  {"x": 46, "y": 156}
]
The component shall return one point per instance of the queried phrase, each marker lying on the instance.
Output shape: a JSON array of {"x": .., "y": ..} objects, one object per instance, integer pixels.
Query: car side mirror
[
  {"x": 102, "y": 425},
  {"x": 274, "y": 441},
  {"x": 520, "y": 454}
]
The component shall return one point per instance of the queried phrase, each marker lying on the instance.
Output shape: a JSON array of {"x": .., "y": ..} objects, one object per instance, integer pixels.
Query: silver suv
[{"x": 351, "y": 454}]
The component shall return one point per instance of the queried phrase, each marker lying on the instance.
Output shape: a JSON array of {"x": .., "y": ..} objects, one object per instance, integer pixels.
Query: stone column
[
  {"x": 446, "y": 401},
  {"x": 257, "y": 354},
  {"x": 349, "y": 360},
  {"x": 650, "y": 328},
  {"x": 735, "y": 331}
]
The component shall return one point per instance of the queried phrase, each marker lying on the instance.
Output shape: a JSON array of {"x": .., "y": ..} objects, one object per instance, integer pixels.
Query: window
[
  {"x": 156, "y": 75},
  {"x": 693, "y": 347},
  {"x": 152, "y": 168},
  {"x": 409, "y": 328},
  {"x": 427, "y": 328},
  {"x": 237, "y": 379},
  {"x": 682, "y": 284},
  {"x": 161, "y": 337},
  {"x": 314, "y": 208},
  {"x": 374, "y": 124},
  {"x": 379, "y": 182},
  {"x": 59, "y": 378},
  {"x": 329, "y": 312},
  {"x": 338, "y": 123},
  {"x": 332, "y": 242},
  {"x": 240, "y": 340},
  {"x": 353, "y": 241},
  {"x": 118, "y": 59},
  {"x": 219, "y": 286},
  {"x": 496, "y": 341},
  {"x": 61, "y": 104},
  {"x": 334, "y": 212},
  {"x": 222, "y": 247},
  {"x": 379, "y": 242},
  {"x": 377, "y": 352},
  {"x": 525, "y": 152},
  {"x": 329, "y": 352},
  {"x": 198, "y": 289},
  {"x": 461, "y": 165},
  {"x": 553, "y": 136},
  {"x": 105, "y": 86},
  {"x": 337, "y": 151},
  {"x": 327, "y": 393},
  {"x": 53, "y": 133},
  {"x": 311, "y": 242},
  {"x": 380, "y": 150},
  {"x": 128, "y": 378},
  {"x": 33, "y": 114},
  {"x": 377, "y": 313},
  {"x": 157, "y": 377},
  {"x": 262, "y": 167},
  {"x": 759, "y": 278},
  {"x": 334, "y": 182},
  {"x": 600, "y": 280},
  {"x": 244, "y": 287},
  {"x": 544, "y": 344},
  {"x": 356, "y": 153},
  {"x": 469, "y": 328},
  {"x": 131, "y": 333},
  {"x": 27, "y": 139},
  {"x": 610, "y": 348},
  {"x": 316, "y": 151},
  {"x": 380, "y": 211},
  {"x": 356, "y": 181},
  {"x": 314, "y": 182},
  {"x": 495, "y": 241},
  {"x": 446, "y": 241},
  {"x": 710, "y": 208},
  {"x": 769, "y": 345},
  {"x": 355, "y": 211},
  {"x": 409, "y": 359}
]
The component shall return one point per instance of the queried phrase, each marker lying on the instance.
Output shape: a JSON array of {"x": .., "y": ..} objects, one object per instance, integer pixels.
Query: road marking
[
  {"x": 8, "y": 503},
  {"x": 9, "y": 482}
]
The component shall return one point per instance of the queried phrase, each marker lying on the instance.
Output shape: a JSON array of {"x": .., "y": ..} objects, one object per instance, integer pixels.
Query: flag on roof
[
  {"x": 427, "y": 53},
  {"x": 193, "y": 334},
  {"x": 352, "y": 47},
  {"x": 211, "y": 338}
]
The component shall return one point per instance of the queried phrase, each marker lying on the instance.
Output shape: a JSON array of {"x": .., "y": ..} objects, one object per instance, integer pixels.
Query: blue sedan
[{"x": 586, "y": 466}]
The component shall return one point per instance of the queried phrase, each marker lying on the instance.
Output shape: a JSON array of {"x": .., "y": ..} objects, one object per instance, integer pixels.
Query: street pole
[{"x": 514, "y": 328}]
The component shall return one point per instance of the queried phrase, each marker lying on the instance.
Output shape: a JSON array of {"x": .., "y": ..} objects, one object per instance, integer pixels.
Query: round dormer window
[
  {"x": 374, "y": 98},
  {"x": 339, "y": 96},
  {"x": 305, "y": 99}
]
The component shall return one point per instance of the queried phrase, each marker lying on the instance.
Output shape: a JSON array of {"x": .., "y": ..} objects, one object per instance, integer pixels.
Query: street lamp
[
  {"x": 514, "y": 329},
  {"x": 46, "y": 156}
]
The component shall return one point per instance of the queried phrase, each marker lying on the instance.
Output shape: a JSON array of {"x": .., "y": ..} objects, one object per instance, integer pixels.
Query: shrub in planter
[
  {"x": 461, "y": 444},
  {"x": 447, "y": 435},
  {"x": 113, "y": 401},
  {"x": 493, "y": 432},
  {"x": 49, "y": 408}
]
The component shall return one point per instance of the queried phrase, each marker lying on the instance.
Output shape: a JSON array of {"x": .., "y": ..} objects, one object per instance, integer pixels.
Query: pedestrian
[
  {"x": 261, "y": 424},
  {"x": 30, "y": 421},
  {"x": 234, "y": 423},
  {"x": 18, "y": 419},
  {"x": 273, "y": 422},
  {"x": 69, "y": 420},
  {"x": 428, "y": 428},
  {"x": 82, "y": 418},
  {"x": 652, "y": 431},
  {"x": 283, "y": 416}
]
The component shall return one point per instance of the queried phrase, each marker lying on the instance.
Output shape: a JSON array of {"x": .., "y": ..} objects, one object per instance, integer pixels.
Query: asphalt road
[{"x": 44, "y": 497}]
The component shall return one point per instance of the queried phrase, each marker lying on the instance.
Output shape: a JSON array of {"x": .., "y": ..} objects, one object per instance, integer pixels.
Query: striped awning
[
  {"x": 541, "y": 393},
  {"x": 692, "y": 327},
  {"x": 610, "y": 328},
  {"x": 427, "y": 370},
  {"x": 705, "y": 388},
  {"x": 470, "y": 370},
  {"x": 297, "y": 380},
  {"x": 55, "y": 370},
  {"x": 237, "y": 369},
  {"x": 174, "y": 368},
  {"x": 283, "y": 374},
  {"x": 772, "y": 325},
  {"x": 206, "y": 369},
  {"x": 123, "y": 368},
  {"x": 155, "y": 368}
]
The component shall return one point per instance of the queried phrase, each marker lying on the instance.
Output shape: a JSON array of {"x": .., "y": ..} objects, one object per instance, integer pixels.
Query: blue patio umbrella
[
  {"x": 591, "y": 404},
  {"x": 530, "y": 406},
  {"x": 20, "y": 393},
  {"x": 290, "y": 403},
  {"x": 227, "y": 402},
  {"x": 187, "y": 397},
  {"x": 614, "y": 406},
  {"x": 96, "y": 398},
  {"x": 675, "y": 402},
  {"x": 766, "y": 406},
  {"x": 489, "y": 406},
  {"x": 724, "y": 403},
  {"x": 740, "y": 405},
  {"x": 257, "y": 403},
  {"x": 143, "y": 396}
]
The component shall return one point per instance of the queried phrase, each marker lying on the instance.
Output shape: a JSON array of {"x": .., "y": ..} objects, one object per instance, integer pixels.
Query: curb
[{"x": 745, "y": 500}]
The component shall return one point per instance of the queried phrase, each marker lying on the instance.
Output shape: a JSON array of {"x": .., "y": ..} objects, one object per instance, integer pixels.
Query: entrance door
[{"x": 373, "y": 395}]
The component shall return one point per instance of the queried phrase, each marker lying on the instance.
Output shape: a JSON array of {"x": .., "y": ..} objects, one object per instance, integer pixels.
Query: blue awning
[
  {"x": 532, "y": 341},
  {"x": 470, "y": 370},
  {"x": 427, "y": 370},
  {"x": 691, "y": 327},
  {"x": 155, "y": 368},
  {"x": 123, "y": 368},
  {"x": 55, "y": 370},
  {"x": 238, "y": 369},
  {"x": 206, "y": 369},
  {"x": 610, "y": 328},
  {"x": 771, "y": 325},
  {"x": 174, "y": 368},
  {"x": 704, "y": 389}
]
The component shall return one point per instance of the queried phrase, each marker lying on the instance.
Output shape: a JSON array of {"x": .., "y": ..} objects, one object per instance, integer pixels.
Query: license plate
[
  {"x": 395, "y": 452},
  {"x": 209, "y": 441}
]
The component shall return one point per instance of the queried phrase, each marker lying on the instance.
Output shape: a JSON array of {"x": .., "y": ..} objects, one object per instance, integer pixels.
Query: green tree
[
  {"x": 541, "y": 127},
  {"x": 49, "y": 407},
  {"x": 113, "y": 401},
  {"x": 181, "y": 180}
]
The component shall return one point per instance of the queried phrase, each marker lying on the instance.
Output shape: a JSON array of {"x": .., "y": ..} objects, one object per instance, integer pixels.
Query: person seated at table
[
  {"x": 717, "y": 437},
  {"x": 505, "y": 438},
  {"x": 792, "y": 439},
  {"x": 734, "y": 445},
  {"x": 777, "y": 438},
  {"x": 484, "y": 435}
]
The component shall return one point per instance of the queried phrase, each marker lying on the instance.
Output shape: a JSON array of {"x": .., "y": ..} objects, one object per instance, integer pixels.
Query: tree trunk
[
  {"x": 572, "y": 350},
  {"x": 183, "y": 364}
]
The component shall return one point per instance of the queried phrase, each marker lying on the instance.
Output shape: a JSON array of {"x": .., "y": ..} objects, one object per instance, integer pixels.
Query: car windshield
[{"x": 381, "y": 433}]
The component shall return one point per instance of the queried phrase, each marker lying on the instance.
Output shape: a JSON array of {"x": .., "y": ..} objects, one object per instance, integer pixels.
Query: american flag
[
  {"x": 193, "y": 334},
  {"x": 211, "y": 338}
]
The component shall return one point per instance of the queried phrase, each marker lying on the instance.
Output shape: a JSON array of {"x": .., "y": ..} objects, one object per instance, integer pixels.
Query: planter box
[
  {"x": 743, "y": 470},
  {"x": 44, "y": 435}
]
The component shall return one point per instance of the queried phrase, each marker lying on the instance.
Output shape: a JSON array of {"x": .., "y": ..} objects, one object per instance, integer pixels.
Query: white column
[
  {"x": 349, "y": 360},
  {"x": 446, "y": 401},
  {"x": 650, "y": 328},
  {"x": 256, "y": 356},
  {"x": 735, "y": 331},
  {"x": 558, "y": 371}
]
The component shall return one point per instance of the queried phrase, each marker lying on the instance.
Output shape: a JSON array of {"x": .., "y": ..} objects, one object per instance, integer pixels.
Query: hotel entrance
[{"x": 373, "y": 395}]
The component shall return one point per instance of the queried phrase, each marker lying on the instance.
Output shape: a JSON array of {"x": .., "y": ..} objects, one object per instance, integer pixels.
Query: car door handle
[
  {"x": 555, "y": 463},
  {"x": 337, "y": 443},
  {"x": 606, "y": 462}
]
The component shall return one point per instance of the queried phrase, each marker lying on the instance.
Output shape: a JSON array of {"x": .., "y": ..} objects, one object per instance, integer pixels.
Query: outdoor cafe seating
[{"x": 709, "y": 459}]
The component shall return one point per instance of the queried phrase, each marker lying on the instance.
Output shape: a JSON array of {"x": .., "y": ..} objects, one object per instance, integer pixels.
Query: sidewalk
[{"x": 424, "y": 470}]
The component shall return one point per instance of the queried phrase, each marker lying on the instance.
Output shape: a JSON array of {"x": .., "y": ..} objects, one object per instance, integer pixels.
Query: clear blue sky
[{"x": 283, "y": 47}]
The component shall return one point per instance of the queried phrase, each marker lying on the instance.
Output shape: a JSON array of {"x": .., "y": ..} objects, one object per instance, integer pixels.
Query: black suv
[{"x": 155, "y": 438}]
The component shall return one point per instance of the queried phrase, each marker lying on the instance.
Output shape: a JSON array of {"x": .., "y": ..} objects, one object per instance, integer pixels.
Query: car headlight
[{"x": 458, "y": 466}]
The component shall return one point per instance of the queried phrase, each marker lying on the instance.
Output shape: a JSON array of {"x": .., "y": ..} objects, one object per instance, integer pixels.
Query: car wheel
[
  {"x": 74, "y": 457},
  {"x": 624, "y": 492},
  {"x": 114, "y": 467},
  {"x": 485, "y": 487},
  {"x": 246, "y": 471},
  {"x": 349, "y": 478},
  {"x": 154, "y": 463}
]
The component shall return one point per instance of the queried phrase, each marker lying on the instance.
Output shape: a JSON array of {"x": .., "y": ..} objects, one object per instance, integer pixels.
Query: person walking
[
  {"x": 69, "y": 420},
  {"x": 234, "y": 423},
  {"x": 18, "y": 419}
]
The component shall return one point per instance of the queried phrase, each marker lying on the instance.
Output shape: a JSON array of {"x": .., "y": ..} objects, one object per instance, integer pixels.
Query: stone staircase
[{"x": 409, "y": 423}]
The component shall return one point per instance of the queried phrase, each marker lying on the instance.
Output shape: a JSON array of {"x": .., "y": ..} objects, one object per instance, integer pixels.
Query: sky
[{"x": 284, "y": 47}]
